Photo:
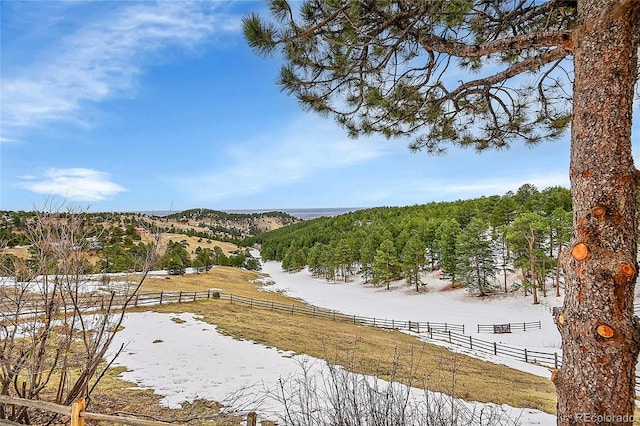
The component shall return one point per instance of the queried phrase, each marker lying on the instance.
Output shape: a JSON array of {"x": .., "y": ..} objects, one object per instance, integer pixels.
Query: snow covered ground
[
  {"x": 436, "y": 304},
  {"x": 183, "y": 358}
]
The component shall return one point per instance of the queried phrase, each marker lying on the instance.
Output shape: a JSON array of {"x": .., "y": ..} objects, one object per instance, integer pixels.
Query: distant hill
[
  {"x": 234, "y": 225},
  {"x": 205, "y": 223},
  {"x": 108, "y": 242}
]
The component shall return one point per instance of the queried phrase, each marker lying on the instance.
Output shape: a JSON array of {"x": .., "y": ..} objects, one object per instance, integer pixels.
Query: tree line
[
  {"x": 114, "y": 242},
  {"x": 475, "y": 243},
  {"x": 177, "y": 258}
]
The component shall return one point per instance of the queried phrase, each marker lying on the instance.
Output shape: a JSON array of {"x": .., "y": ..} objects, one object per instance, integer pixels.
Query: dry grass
[
  {"x": 364, "y": 349},
  {"x": 118, "y": 397},
  {"x": 371, "y": 351},
  {"x": 229, "y": 280},
  {"x": 194, "y": 243}
]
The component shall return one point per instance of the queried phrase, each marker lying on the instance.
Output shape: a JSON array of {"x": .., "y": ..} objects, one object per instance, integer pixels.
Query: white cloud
[
  {"x": 101, "y": 59},
  {"x": 502, "y": 185},
  {"x": 470, "y": 186},
  {"x": 74, "y": 184},
  {"x": 308, "y": 147}
]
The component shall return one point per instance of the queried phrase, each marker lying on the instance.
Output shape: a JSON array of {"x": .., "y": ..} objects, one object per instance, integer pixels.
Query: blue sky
[{"x": 124, "y": 106}]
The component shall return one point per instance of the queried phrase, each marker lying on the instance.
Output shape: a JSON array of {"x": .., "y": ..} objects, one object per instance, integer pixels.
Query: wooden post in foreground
[
  {"x": 76, "y": 408},
  {"x": 252, "y": 419}
]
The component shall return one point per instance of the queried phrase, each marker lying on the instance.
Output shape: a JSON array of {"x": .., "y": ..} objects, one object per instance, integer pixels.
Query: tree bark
[
  {"x": 558, "y": 260},
  {"x": 600, "y": 336}
]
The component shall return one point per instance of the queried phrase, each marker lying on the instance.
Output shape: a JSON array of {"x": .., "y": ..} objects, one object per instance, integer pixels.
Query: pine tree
[
  {"x": 413, "y": 260},
  {"x": 526, "y": 237},
  {"x": 446, "y": 235},
  {"x": 560, "y": 229},
  {"x": 384, "y": 67},
  {"x": 342, "y": 259},
  {"x": 385, "y": 263},
  {"x": 475, "y": 254}
]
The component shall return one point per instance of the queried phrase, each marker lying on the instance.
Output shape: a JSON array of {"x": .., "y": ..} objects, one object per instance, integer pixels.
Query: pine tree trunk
[
  {"x": 600, "y": 336},
  {"x": 558, "y": 270}
]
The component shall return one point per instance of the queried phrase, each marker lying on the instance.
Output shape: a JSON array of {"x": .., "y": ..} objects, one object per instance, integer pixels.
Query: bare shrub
[
  {"x": 322, "y": 393},
  {"x": 55, "y": 323}
]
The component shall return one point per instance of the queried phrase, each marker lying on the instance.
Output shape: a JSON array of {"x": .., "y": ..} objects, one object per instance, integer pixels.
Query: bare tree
[{"x": 56, "y": 322}]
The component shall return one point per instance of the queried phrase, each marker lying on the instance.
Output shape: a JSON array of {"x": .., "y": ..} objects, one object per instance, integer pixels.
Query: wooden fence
[
  {"x": 547, "y": 359},
  {"x": 149, "y": 299},
  {"x": 510, "y": 326},
  {"x": 315, "y": 312},
  {"x": 77, "y": 414},
  {"x": 451, "y": 333}
]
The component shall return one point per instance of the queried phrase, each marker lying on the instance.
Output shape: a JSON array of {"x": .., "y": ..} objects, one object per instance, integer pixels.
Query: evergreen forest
[{"x": 474, "y": 243}]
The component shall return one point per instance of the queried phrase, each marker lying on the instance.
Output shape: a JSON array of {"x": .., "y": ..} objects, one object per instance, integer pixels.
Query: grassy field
[
  {"x": 194, "y": 242},
  {"x": 362, "y": 349}
]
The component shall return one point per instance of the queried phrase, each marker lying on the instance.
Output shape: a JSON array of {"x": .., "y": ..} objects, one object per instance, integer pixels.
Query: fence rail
[
  {"x": 547, "y": 359},
  {"x": 76, "y": 412},
  {"x": 510, "y": 326},
  {"x": 452, "y": 333},
  {"x": 150, "y": 299},
  {"x": 312, "y": 311}
]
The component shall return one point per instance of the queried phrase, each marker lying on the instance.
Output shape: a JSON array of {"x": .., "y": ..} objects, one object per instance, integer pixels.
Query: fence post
[
  {"x": 526, "y": 357},
  {"x": 470, "y": 342},
  {"x": 231, "y": 298},
  {"x": 208, "y": 293},
  {"x": 180, "y": 297},
  {"x": 495, "y": 348},
  {"x": 334, "y": 315},
  {"x": 314, "y": 311},
  {"x": 293, "y": 308},
  {"x": 136, "y": 302},
  {"x": 418, "y": 326},
  {"x": 478, "y": 328},
  {"x": 462, "y": 328},
  {"x": 161, "y": 297},
  {"x": 272, "y": 305},
  {"x": 354, "y": 318},
  {"x": 449, "y": 333},
  {"x": 194, "y": 295},
  {"x": 409, "y": 325},
  {"x": 76, "y": 408},
  {"x": 524, "y": 324},
  {"x": 555, "y": 359},
  {"x": 252, "y": 419}
]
